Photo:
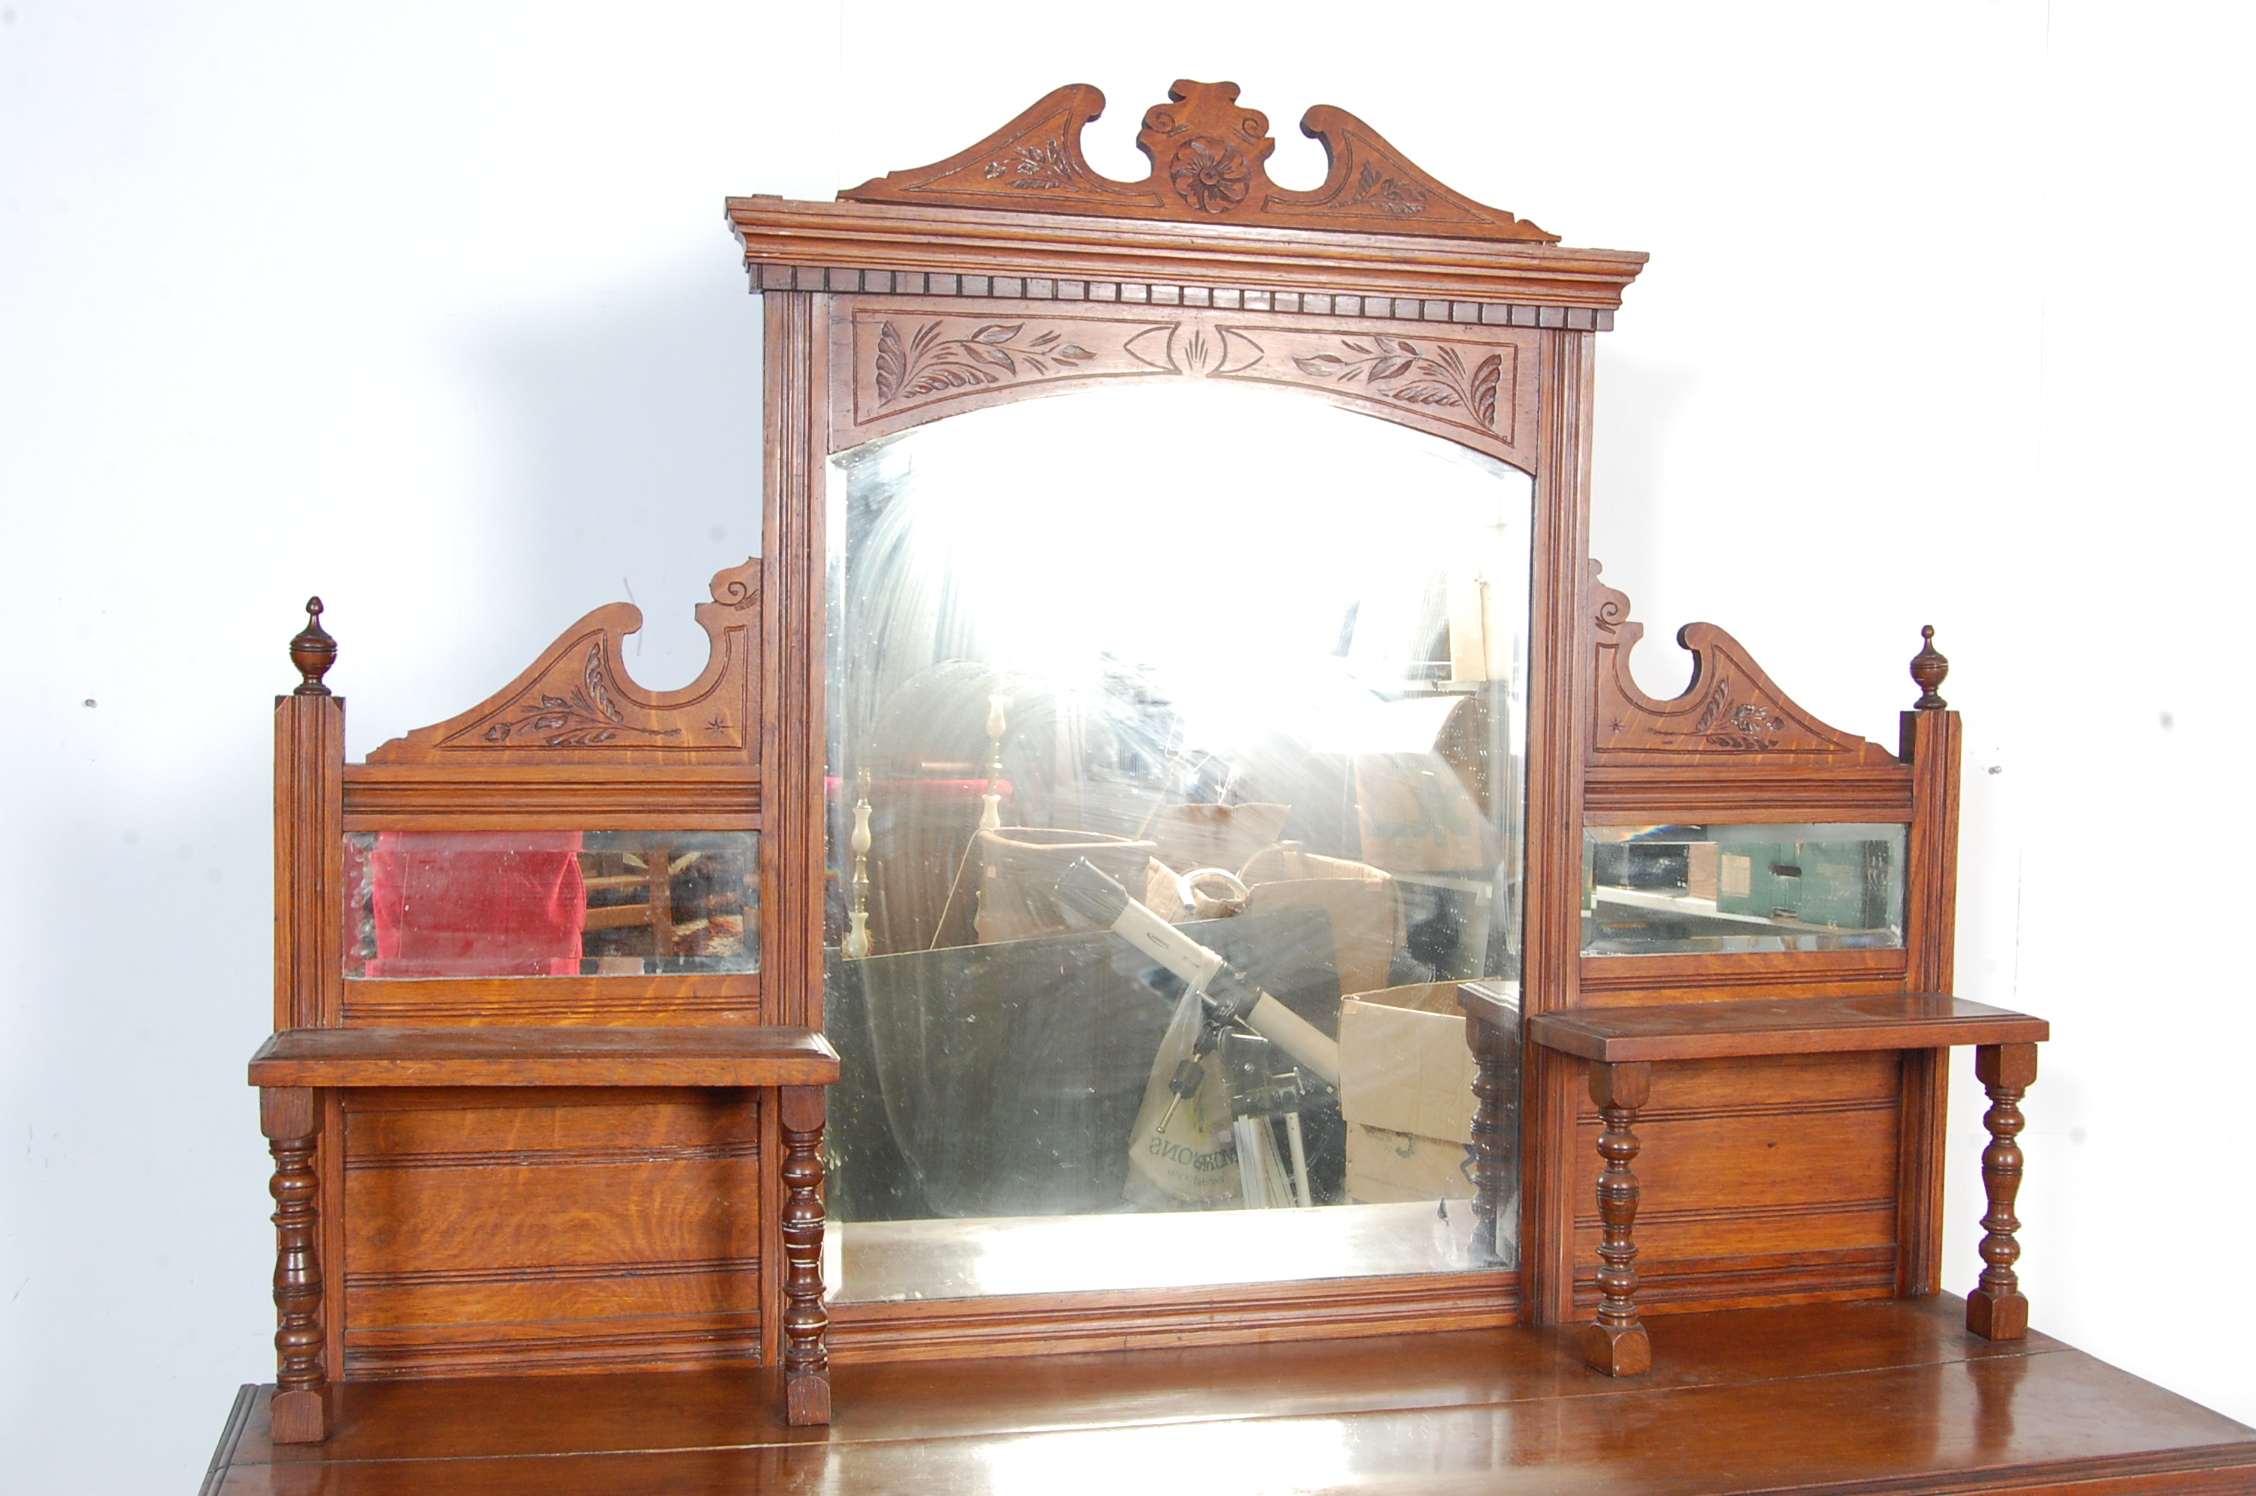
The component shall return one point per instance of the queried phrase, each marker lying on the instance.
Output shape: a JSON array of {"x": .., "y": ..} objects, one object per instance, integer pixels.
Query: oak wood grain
[
  {"x": 1806, "y": 1025},
  {"x": 1746, "y": 790},
  {"x": 1559, "y": 682},
  {"x": 309, "y": 871},
  {"x": 890, "y": 239},
  {"x": 1931, "y": 743},
  {"x": 1888, "y": 1397},
  {"x": 885, "y": 352},
  {"x": 709, "y": 998},
  {"x": 1142, "y": 1319},
  {"x": 1647, "y": 981},
  {"x": 544, "y": 796},
  {"x": 493, "y": 1056}
]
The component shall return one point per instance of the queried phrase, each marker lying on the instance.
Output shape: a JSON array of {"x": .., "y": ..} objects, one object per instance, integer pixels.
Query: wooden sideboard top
[{"x": 730, "y": 1055}]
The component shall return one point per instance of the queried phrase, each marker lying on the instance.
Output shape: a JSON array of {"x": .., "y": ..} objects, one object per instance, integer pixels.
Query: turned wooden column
[
  {"x": 290, "y": 1116},
  {"x": 1995, "y": 1309},
  {"x": 1616, "y": 1343},
  {"x": 806, "y": 1360}
]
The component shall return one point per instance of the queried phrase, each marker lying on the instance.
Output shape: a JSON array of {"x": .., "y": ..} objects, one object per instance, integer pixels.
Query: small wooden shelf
[
  {"x": 294, "y": 1066},
  {"x": 721, "y": 1055},
  {"x": 1800, "y": 1025},
  {"x": 1623, "y": 1044}
]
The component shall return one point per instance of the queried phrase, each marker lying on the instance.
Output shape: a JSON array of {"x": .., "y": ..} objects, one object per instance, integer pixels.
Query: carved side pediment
[
  {"x": 1209, "y": 165},
  {"x": 576, "y": 704},
  {"x": 1731, "y": 708}
]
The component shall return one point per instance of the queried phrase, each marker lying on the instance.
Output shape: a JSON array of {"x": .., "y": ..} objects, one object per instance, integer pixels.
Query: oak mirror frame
[{"x": 1029, "y": 430}]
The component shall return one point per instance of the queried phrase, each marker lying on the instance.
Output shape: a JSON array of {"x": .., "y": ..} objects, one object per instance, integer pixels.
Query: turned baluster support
[
  {"x": 1996, "y": 1310},
  {"x": 1616, "y": 1343},
  {"x": 1493, "y": 1154},
  {"x": 806, "y": 1359},
  {"x": 290, "y": 1116}
]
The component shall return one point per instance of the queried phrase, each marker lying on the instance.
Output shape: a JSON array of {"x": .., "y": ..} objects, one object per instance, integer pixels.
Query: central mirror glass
[{"x": 1177, "y": 744}]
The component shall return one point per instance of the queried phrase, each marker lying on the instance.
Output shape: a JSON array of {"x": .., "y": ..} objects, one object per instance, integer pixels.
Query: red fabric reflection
[{"x": 477, "y": 903}]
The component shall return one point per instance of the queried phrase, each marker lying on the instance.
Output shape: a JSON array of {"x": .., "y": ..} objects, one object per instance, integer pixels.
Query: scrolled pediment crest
[
  {"x": 1209, "y": 160},
  {"x": 1732, "y": 707},
  {"x": 576, "y": 703}
]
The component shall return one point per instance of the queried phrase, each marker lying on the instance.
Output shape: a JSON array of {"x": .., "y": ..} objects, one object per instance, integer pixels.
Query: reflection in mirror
[
  {"x": 550, "y": 903},
  {"x": 1176, "y": 745},
  {"x": 1656, "y": 890}
]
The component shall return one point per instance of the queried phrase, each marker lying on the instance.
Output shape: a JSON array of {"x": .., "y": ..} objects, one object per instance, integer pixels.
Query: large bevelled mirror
[{"x": 1176, "y": 776}]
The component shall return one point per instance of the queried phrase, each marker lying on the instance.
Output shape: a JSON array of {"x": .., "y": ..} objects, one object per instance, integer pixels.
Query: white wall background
[{"x": 428, "y": 307}]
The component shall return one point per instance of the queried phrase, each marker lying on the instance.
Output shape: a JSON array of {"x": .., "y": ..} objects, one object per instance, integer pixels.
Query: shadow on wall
[
  {"x": 1639, "y": 403},
  {"x": 626, "y": 436}
]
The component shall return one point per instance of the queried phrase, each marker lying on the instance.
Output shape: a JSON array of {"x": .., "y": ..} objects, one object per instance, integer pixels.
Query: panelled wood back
[
  {"x": 549, "y": 1231},
  {"x": 1765, "y": 1181},
  {"x": 529, "y": 1231},
  {"x": 1845, "y": 1200},
  {"x": 574, "y": 745}
]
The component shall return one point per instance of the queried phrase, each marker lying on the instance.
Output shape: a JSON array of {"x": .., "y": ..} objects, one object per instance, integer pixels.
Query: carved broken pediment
[
  {"x": 576, "y": 704},
  {"x": 1209, "y": 161},
  {"x": 1731, "y": 707}
]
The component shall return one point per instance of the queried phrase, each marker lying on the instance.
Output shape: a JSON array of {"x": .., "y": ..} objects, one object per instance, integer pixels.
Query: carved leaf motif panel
[
  {"x": 576, "y": 703},
  {"x": 1725, "y": 713},
  {"x": 913, "y": 361},
  {"x": 906, "y": 359},
  {"x": 1469, "y": 384}
]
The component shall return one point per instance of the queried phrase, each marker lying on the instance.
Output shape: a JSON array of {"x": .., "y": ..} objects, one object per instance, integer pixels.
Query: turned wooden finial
[
  {"x": 1928, "y": 667},
  {"x": 313, "y": 652}
]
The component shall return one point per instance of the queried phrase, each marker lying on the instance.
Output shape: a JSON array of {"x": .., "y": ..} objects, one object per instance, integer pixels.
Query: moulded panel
[
  {"x": 1697, "y": 1285},
  {"x": 549, "y": 1235},
  {"x": 1763, "y": 1080},
  {"x": 1761, "y": 1157},
  {"x": 1761, "y": 1180},
  {"x": 598, "y": 1343},
  {"x": 542, "y": 1295},
  {"x": 596, "y": 1001}
]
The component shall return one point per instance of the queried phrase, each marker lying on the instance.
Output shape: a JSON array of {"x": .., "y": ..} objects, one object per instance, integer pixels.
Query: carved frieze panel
[
  {"x": 911, "y": 362},
  {"x": 1467, "y": 384},
  {"x": 911, "y": 359},
  {"x": 1209, "y": 158},
  {"x": 576, "y": 704},
  {"x": 1731, "y": 708}
]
